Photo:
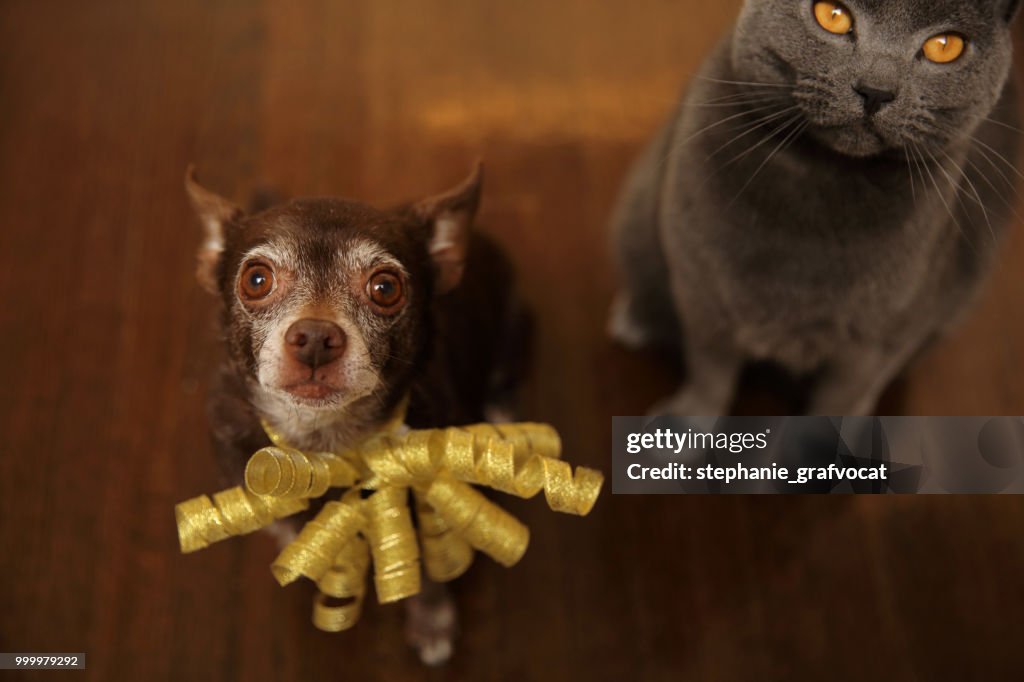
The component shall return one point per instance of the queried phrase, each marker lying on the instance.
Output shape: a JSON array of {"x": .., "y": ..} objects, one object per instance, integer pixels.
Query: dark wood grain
[{"x": 106, "y": 343}]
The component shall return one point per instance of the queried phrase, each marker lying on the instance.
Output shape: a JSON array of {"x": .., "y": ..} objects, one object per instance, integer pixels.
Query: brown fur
[{"x": 448, "y": 349}]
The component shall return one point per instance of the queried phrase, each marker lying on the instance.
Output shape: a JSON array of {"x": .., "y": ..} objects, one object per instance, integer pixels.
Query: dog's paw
[
  {"x": 500, "y": 414},
  {"x": 283, "y": 531},
  {"x": 430, "y": 627}
]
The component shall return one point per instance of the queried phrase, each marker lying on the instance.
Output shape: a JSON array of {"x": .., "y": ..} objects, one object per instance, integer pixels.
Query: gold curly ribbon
[
  {"x": 372, "y": 520},
  {"x": 235, "y": 511}
]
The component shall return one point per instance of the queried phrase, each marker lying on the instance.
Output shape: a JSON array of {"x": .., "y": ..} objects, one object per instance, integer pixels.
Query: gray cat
[{"x": 828, "y": 196}]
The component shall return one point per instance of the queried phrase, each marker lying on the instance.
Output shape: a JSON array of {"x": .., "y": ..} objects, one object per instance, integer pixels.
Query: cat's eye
[
  {"x": 944, "y": 48},
  {"x": 385, "y": 290},
  {"x": 833, "y": 17},
  {"x": 256, "y": 282}
]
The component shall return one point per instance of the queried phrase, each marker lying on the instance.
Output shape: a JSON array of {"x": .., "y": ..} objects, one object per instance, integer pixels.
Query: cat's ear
[
  {"x": 215, "y": 213},
  {"x": 1010, "y": 8},
  {"x": 449, "y": 217}
]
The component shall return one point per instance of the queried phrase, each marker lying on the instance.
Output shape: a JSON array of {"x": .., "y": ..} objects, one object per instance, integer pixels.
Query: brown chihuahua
[{"x": 334, "y": 312}]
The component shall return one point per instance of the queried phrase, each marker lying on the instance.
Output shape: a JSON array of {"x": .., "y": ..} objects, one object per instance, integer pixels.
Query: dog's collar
[{"x": 371, "y": 522}]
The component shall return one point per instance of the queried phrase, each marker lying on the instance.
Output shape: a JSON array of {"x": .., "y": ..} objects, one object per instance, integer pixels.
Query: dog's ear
[
  {"x": 450, "y": 218},
  {"x": 215, "y": 212},
  {"x": 1010, "y": 9}
]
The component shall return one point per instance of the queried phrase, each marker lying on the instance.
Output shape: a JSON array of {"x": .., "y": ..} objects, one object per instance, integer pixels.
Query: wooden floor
[{"x": 106, "y": 343}]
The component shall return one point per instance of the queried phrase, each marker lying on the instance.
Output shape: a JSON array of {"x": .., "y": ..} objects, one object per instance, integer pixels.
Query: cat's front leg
[
  {"x": 852, "y": 384},
  {"x": 643, "y": 313},
  {"x": 712, "y": 366}
]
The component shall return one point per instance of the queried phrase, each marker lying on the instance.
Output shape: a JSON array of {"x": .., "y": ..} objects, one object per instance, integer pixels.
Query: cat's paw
[
  {"x": 624, "y": 329},
  {"x": 689, "y": 403},
  {"x": 431, "y": 626}
]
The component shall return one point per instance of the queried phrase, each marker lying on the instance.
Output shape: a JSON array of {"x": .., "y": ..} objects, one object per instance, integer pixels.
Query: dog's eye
[
  {"x": 833, "y": 17},
  {"x": 385, "y": 290},
  {"x": 257, "y": 281},
  {"x": 944, "y": 48}
]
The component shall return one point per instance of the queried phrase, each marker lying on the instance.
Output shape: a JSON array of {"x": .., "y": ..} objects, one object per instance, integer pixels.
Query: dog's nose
[
  {"x": 315, "y": 343},
  {"x": 874, "y": 98}
]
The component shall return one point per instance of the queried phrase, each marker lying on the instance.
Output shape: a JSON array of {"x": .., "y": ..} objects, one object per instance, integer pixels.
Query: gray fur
[{"x": 770, "y": 220}]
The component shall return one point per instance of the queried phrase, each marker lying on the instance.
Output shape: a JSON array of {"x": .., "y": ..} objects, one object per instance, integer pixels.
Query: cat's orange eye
[
  {"x": 944, "y": 48},
  {"x": 833, "y": 17}
]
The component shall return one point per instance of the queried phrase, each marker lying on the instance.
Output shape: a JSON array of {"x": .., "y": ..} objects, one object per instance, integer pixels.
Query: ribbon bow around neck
[{"x": 372, "y": 519}]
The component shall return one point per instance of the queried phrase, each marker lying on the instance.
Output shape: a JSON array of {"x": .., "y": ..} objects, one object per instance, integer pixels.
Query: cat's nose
[{"x": 874, "y": 98}]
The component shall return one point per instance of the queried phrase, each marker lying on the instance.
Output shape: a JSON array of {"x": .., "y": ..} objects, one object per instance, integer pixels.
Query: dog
[{"x": 335, "y": 314}]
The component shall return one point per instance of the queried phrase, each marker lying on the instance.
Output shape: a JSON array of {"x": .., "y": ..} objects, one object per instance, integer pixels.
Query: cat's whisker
[
  {"x": 1000, "y": 194},
  {"x": 957, "y": 190},
  {"x": 725, "y": 120},
  {"x": 744, "y": 95},
  {"x": 919, "y": 165},
  {"x": 977, "y": 197},
  {"x": 987, "y": 152},
  {"x": 792, "y": 135},
  {"x": 1007, "y": 126},
  {"x": 678, "y": 144},
  {"x": 999, "y": 156},
  {"x": 767, "y": 138},
  {"x": 1010, "y": 204},
  {"x": 1002, "y": 175},
  {"x": 750, "y": 83},
  {"x": 924, "y": 129},
  {"x": 910, "y": 148},
  {"x": 941, "y": 195},
  {"x": 954, "y": 185},
  {"x": 736, "y": 103},
  {"x": 910, "y": 172},
  {"x": 755, "y": 125},
  {"x": 1013, "y": 186}
]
